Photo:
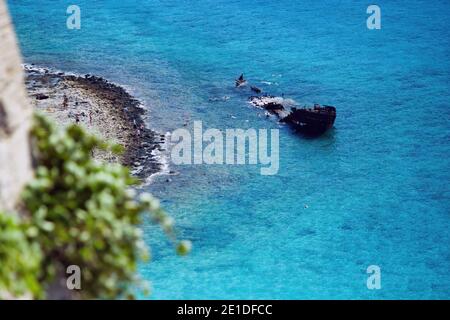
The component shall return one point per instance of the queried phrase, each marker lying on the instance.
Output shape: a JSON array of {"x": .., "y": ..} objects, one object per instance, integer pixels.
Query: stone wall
[{"x": 15, "y": 118}]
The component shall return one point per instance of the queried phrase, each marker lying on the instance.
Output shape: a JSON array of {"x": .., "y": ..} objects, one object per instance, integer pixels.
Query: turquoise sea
[{"x": 375, "y": 190}]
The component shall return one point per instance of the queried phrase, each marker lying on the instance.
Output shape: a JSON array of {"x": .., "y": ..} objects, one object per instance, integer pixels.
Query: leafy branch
[{"x": 77, "y": 212}]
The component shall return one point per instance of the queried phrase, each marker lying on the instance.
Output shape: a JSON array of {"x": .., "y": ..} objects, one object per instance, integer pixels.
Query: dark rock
[
  {"x": 41, "y": 96},
  {"x": 255, "y": 89}
]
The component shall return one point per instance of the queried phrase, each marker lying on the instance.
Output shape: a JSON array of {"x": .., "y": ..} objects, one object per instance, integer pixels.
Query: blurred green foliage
[
  {"x": 19, "y": 260},
  {"x": 78, "y": 212}
]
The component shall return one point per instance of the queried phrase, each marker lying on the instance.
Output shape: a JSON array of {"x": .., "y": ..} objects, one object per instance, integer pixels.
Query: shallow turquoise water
[{"x": 376, "y": 187}]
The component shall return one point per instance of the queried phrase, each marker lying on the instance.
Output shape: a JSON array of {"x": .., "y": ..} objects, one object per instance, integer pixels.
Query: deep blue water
[{"x": 377, "y": 187}]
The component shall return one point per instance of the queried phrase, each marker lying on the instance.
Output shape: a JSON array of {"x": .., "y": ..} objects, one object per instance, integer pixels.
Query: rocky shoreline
[{"x": 104, "y": 109}]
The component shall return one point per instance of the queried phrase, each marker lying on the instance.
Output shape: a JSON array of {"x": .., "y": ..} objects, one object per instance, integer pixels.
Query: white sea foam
[
  {"x": 47, "y": 70},
  {"x": 262, "y": 101},
  {"x": 163, "y": 159}
]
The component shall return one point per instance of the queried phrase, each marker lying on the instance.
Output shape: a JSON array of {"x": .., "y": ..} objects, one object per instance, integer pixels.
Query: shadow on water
[{"x": 328, "y": 135}]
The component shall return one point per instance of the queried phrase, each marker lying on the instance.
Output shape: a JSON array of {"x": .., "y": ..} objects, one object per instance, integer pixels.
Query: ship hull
[{"x": 312, "y": 121}]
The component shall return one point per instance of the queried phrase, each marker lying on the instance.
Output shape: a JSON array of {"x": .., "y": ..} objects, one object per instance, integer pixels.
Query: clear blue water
[{"x": 377, "y": 186}]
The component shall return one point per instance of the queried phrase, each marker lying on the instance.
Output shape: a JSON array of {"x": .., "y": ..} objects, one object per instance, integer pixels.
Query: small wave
[
  {"x": 163, "y": 159},
  {"x": 289, "y": 102},
  {"x": 47, "y": 70},
  {"x": 216, "y": 99}
]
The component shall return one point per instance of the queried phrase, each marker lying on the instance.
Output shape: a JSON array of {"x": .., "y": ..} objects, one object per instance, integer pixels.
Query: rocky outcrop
[{"x": 102, "y": 108}]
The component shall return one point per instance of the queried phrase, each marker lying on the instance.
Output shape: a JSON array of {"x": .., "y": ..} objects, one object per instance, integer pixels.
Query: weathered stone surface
[{"x": 15, "y": 118}]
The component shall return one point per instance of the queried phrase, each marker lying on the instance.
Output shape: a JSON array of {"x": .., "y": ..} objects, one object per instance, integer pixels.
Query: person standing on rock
[{"x": 65, "y": 102}]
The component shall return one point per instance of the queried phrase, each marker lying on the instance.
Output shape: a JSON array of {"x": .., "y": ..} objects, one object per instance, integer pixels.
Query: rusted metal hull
[{"x": 311, "y": 121}]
